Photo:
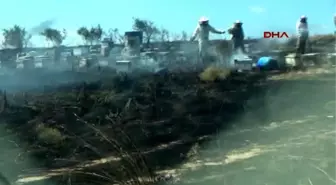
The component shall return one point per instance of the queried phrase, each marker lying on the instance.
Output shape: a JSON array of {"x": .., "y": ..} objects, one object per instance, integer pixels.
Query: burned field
[
  {"x": 147, "y": 122},
  {"x": 122, "y": 129}
]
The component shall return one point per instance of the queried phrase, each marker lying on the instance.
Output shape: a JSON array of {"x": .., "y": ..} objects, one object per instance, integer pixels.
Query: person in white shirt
[
  {"x": 202, "y": 33},
  {"x": 303, "y": 34}
]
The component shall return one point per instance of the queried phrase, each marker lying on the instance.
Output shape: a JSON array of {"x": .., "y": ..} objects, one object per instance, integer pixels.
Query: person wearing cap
[
  {"x": 303, "y": 35},
  {"x": 202, "y": 33},
  {"x": 237, "y": 38}
]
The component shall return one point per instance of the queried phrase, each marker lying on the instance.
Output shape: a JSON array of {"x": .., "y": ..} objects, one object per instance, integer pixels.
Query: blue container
[
  {"x": 267, "y": 63},
  {"x": 264, "y": 61}
]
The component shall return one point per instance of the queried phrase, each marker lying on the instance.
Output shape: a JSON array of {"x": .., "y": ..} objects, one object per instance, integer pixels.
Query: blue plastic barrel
[{"x": 264, "y": 61}]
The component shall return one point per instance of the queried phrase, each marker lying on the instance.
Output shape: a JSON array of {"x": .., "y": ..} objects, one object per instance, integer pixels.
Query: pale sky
[{"x": 174, "y": 15}]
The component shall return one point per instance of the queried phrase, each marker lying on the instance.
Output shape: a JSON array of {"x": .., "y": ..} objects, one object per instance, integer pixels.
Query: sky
[{"x": 175, "y": 15}]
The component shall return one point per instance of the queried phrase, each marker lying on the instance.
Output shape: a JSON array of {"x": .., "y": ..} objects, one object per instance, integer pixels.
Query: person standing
[
  {"x": 237, "y": 38},
  {"x": 202, "y": 33},
  {"x": 303, "y": 34},
  {"x": 335, "y": 21}
]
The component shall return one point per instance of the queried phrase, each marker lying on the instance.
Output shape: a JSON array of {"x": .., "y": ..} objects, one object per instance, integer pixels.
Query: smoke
[
  {"x": 42, "y": 26},
  {"x": 36, "y": 30},
  {"x": 239, "y": 55},
  {"x": 270, "y": 44}
]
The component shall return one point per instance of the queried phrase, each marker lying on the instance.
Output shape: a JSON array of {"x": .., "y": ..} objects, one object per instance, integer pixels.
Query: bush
[
  {"x": 49, "y": 135},
  {"x": 212, "y": 73}
]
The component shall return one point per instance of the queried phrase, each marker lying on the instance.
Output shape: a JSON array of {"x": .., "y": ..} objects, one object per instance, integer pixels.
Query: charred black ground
[{"x": 130, "y": 115}]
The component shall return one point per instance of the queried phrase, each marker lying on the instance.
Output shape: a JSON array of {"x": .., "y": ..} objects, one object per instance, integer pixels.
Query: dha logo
[{"x": 268, "y": 34}]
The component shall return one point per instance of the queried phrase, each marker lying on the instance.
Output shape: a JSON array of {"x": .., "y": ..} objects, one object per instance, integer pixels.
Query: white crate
[
  {"x": 123, "y": 65},
  {"x": 82, "y": 63},
  {"x": 292, "y": 60},
  {"x": 245, "y": 65},
  {"x": 331, "y": 58}
]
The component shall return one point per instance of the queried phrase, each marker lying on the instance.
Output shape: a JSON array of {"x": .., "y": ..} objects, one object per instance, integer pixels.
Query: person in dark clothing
[{"x": 237, "y": 33}]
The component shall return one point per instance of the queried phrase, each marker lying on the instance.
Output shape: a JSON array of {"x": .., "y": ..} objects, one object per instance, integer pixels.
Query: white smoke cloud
[{"x": 35, "y": 30}]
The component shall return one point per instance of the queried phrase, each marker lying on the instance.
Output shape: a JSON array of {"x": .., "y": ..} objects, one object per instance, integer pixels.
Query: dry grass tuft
[
  {"x": 212, "y": 73},
  {"x": 49, "y": 135}
]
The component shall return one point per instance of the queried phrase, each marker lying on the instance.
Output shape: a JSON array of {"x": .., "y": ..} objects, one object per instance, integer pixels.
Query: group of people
[
  {"x": 204, "y": 28},
  {"x": 202, "y": 34}
]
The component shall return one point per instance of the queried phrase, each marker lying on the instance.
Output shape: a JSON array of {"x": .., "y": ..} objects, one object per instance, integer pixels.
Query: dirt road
[{"x": 290, "y": 139}]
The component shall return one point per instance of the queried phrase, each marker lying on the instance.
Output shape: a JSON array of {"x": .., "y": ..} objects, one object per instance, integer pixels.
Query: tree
[
  {"x": 115, "y": 36},
  {"x": 96, "y": 34},
  {"x": 84, "y": 32},
  {"x": 54, "y": 36},
  {"x": 147, "y": 27},
  {"x": 176, "y": 37},
  {"x": 164, "y": 35},
  {"x": 26, "y": 41},
  {"x": 16, "y": 37},
  {"x": 92, "y": 35},
  {"x": 184, "y": 36},
  {"x": 180, "y": 37}
]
